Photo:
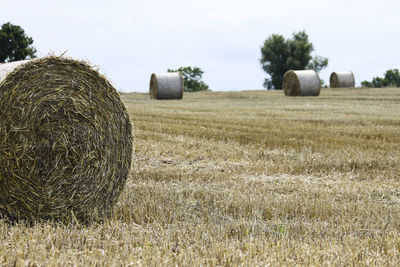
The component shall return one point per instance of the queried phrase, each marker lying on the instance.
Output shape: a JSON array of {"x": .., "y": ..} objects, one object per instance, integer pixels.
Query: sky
[{"x": 130, "y": 40}]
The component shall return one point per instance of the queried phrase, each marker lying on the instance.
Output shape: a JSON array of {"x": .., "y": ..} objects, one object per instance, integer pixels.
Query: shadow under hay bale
[
  {"x": 342, "y": 79},
  {"x": 166, "y": 85},
  {"x": 301, "y": 83},
  {"x": 65, "y": 141}
]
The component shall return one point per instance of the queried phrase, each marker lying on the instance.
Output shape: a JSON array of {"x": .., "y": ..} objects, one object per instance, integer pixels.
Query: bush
[{"x": 391, "y": 79}]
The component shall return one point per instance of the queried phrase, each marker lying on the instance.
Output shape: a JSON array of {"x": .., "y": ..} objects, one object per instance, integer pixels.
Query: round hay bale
[
  {"x": 65, "y": 142},
  {"x": 166, "y": 85},
  {"x": 342, "y": 79},
  {"x": 301, "y": 83},
  {"x": 6, "y": 68}
]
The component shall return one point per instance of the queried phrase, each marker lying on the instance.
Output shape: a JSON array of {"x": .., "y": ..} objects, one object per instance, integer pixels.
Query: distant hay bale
[
  {"x": 65, "y": 141},
  {"x": 166, "y": 85},
  {"x": 342, "y": 79},
  {"x": 301, "y": 83}
]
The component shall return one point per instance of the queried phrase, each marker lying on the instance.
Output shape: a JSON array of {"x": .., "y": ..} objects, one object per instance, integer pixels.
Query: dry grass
[{"x": 247, "y": 178}]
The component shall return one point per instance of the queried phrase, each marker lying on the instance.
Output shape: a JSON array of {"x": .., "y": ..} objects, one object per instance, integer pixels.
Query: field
[{"x": 245, "y": 178}]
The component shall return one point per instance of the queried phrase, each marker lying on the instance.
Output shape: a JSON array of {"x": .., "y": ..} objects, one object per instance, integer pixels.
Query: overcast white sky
[{"x": 129, "y": 40}]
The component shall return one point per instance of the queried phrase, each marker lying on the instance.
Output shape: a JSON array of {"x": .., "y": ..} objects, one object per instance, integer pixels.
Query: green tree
[
  {"x": 279, "y": 55},
  {"x": 391, "y": 79},
  {"x": 191, "y": 78},
  {"x": 15, "y": 44},
  {"x": 317, "y": 63}
]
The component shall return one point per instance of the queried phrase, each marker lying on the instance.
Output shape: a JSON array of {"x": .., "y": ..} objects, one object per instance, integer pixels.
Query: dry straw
[
  {"x": 65, "y": 141},
  {"x": 166, "y": 85},
  {"x": 301, "y": 83},
  {"x": 9, "y": 67},
  {"x": 342, "y": 79}
]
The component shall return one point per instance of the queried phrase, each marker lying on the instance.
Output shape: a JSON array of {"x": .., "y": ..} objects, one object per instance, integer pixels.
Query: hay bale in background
[
  {"x": 342, "y": 79},
  {"x": 166, "y": 85},
  {"x": 301, "y": 83},
  {"x": 65, "y": 141}
]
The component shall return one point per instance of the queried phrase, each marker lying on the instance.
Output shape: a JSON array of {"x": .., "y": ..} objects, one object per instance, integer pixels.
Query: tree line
[
  {"x": 391, "y": 78},
  {"x": 278, "y": 55}
]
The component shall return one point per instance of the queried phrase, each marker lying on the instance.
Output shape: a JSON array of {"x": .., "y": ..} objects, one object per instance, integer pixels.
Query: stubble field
[{"x": 245, "y": 178}]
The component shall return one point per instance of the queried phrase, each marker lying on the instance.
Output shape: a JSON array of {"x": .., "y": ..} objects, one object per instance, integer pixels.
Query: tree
[
  {"x": 279, "y": 55},
  {"x": 391, "y": 79},
  {"x": 191, "y": 78},
  {"x": 15, "y": 44},
  {"x": 317, "y": 63}
]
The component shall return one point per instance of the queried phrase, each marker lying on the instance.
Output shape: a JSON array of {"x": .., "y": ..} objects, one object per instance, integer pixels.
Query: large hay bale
[
  {"x": 342, "y": 79},
  {"x": 166, "y": 85},
  {"x": 65, "y": 141},
  {"x": 6, "y": 68},
  {"x": 301, "y": 83}
]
